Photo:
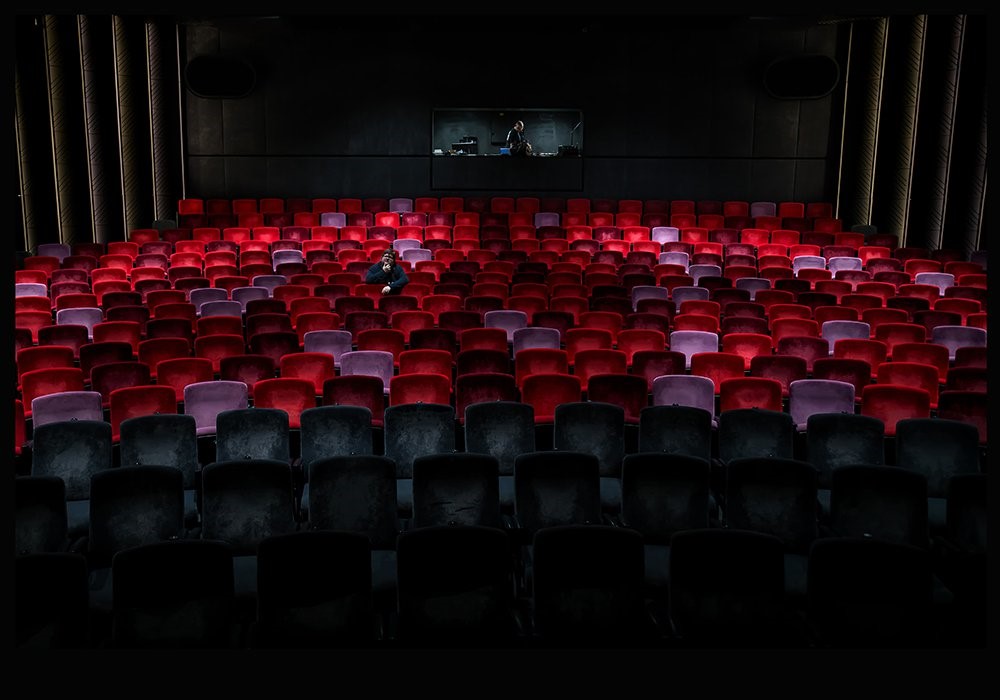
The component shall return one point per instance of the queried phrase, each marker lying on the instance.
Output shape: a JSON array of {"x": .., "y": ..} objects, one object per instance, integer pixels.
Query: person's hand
[
  {"x": 386, "y": 289},
  {"x": 386, "y": 267}
]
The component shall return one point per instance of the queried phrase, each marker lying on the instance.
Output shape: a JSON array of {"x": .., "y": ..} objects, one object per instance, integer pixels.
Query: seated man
[
  {"x": 517, "y": 142},
  {"x": 386, "y": 272}
]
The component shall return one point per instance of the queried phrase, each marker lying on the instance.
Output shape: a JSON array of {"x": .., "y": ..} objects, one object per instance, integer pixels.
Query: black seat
[
  {"x": 455, "y": 587},
  {"x": 175, "y": 594},
  {"x": 314, "y": 589}
]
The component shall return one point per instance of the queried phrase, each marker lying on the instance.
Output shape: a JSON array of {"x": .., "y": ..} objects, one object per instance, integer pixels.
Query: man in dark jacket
[
  {"x": 517, "y": 141},
  {"x": 387, "y": 273}
]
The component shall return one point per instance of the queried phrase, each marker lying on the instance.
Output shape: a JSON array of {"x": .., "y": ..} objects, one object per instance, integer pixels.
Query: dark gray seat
[
  {"x": 129, "y": 507},
  {"x": 51, "y": 611},
  {"x": 777, "y": 497},
  {"x": 503, "y": 429},
  {"x": 939, "y": 449},
  {"x": 455, "y": 587},
  {"x": 332, "y": 431},
  {"x": 885, "y": 503},
  {"x": 599, "y": 429},
  {"x": 839, "y": 439},
  {"x": 73, "y": 451},
  {"x": 176, "y": 594},
  {"x": 413, "y": 430},
  {"x": 252, "y": 433},
  {"x": 358, "y": 494},
  {"x": 664, "y": 493},
  {"x": 244, "y": 501},
  {"x": 39, "y": 515},
  {"x": 727, "y": 588},
  {"x": 314, "y": 589},
  {"x": 869, "y": 593},
  {"x": 456, "y": 488},
  {"x": 169, "y": 441},
  {"x": 588, "y": 587}
]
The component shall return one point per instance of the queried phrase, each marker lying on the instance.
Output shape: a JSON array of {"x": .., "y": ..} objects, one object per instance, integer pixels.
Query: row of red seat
[
  {"x": 500, "y": 204},
  {"x": 806, "y": 266},
  {"x": 120, "y": 345},
  {"x": 901, "y": 389},
  {"x": 594, "y": 219}
]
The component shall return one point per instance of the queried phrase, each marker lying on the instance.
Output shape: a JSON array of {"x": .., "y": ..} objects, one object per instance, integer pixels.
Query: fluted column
[
  {"x": 131, "y": 72},
  {"x": 894, "y": 163},
  {"x": 103, "y": 200},
  {"x": 935, "y": 140},
  {"x": 160, "y": 89},
  {"x": 28, "y": 238},
  {"x": 61, "y": 73},
  {"x": 972, "y": 215},
  {"x": 862, "y": 110}
]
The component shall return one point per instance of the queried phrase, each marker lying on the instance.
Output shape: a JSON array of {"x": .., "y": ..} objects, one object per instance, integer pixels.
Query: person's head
[
  {"x": 519, "y": 125},
  {"x": 389, "y": 256}
]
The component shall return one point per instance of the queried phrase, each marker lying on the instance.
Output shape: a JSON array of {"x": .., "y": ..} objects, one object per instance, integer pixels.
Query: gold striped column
[
  {"x": 862, "y": 108},
  {"x": 73, "y": 225},
  {"x": 896, "y": 158}
]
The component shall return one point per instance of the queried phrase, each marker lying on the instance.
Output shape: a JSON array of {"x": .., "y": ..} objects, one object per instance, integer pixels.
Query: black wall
[{"x": 674, "y": 107}]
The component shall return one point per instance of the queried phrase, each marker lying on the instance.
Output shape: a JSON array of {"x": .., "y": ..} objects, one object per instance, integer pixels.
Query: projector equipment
[
  {"x": 471, "y": 144},
  {"x": 572, "y": 149}
]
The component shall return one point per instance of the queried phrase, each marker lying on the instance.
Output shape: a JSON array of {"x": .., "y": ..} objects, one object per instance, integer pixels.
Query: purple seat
[
  {"x": 809, "y": 396},
  {"x": 763, "y": 209},
  {"x": 55, "y": 250},
  {"x": 222, "y": 308},
  {"x": 685, "y": 390},
  {"x": 280, "y": 257},
  {"x": 333, "y": 218},
  {"x": 941, "y": 280},
  {"x": 665, "y": 234},
  {"x": 30, "y": 289},
  {"x": 690, "y": 342},
  {"x": 648, "y": 291},
  {"x": 954, "y": 337},
  {"x": 202, "y": 295},
  {"x": 269, "y": 282},
  {"x": 752, "y": 285},
  {"x": 535, "y": 337},
  {"x": 836, "y": 264},
  {"x": 833, "y": 331},
  {"x": 373, "y": 363},
  {"x": 400, "y": 204},
  {"x": 687, "y": 293},
  {"x": 333, "y": 342},
  {"x": 205, "y": 400},
  {"x": 546, "y": 218},
  {"x": 245, "y": 294},
  {"x": 802, "y": 262},
  {"x": 66, "y": 405},
  {"x": 508, "y": 319},
  {"x": 401, "y": 244},
  {"x": 417, "y": 254},
  {"x": 88, "y": 316},
  {"x": 675, "y": 257},
  {"x": 699, "y": 271}
]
